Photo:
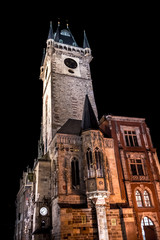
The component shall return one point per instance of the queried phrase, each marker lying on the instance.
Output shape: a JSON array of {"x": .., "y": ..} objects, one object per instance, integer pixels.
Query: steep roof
[
  {"x": 89, "y": 120},
  {"x": 72, "y": 126},
  {"x": 85, "y": 41},
  {"x": 64, "y": 36},
  {"x": 50, "y": 34}
]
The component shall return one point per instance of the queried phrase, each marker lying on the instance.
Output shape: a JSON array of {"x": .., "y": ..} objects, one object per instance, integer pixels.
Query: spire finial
[
  {"x": 67, "y": 23},
  {"x": 59, "y": 22}
]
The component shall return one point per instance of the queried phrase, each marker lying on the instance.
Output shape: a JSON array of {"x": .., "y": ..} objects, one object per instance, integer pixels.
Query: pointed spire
[
  {"x": 85, "y": 41},
  {"x": 89, "y": 120},
  {"x": 50, "y": 34},
  {"x": 57, "y": 35},
  {"x": 75, "y": 44}
]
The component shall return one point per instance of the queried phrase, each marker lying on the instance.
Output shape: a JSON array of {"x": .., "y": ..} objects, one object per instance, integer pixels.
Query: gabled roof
[{"x": 89, "y": 120}]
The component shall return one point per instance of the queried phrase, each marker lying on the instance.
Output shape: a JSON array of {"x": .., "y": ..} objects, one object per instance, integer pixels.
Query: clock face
[
  {"x": 43, "y": 211},
  {"x": 71, "y": 63}
]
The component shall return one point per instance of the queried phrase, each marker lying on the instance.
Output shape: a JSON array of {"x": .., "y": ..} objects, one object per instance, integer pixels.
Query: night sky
[{"x": 125, "y": 73}]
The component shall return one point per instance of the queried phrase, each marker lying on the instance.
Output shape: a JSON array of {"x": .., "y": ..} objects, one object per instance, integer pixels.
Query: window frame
[
  {"x": 147, "y": 200},
  {"x": 99, "y": 163},
  {"x": 133, "y": 133},
  {"x": 138, "y": 160},
  {"x": 75, "y": 175},
  {"x": 140, "y": 200},
  {"x": 90, "y": 164},
  {"x": 134, "y": 162}
]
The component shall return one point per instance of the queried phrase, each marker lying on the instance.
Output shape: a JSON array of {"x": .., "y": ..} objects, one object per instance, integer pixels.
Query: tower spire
[
  {"x": 85, "y": 41},
  {"x": 50, "y": 34},
  {"x": 57, "y": 35},
  {"x": 89, "y": 120}
]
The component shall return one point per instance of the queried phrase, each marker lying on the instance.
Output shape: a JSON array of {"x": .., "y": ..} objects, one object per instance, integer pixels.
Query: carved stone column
[{"x": 98, "y": 198}]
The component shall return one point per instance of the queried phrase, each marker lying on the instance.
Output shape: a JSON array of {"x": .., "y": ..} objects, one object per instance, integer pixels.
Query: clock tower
[
  {"x": 66, "y": 77},
  {"x": 91, "y": 180}
]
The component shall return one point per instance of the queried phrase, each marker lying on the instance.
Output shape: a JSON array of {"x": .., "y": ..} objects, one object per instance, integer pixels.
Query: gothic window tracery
[
  {"x": 147, "y": 200},
  {"x": 90, "y": 166},
  {"x": 148, "y": 229},
  {"x": 139, "y": 199},
  {"x": 98, "y": 158},
  {"x": 143, "y": 198}
]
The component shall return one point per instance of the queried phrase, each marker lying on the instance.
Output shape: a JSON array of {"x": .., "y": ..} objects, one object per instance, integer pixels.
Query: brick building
[{"x": 93, "y": 179}]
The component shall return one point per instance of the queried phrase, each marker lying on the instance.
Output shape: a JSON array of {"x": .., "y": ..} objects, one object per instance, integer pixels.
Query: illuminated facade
[{"x": 92, "y": 179}]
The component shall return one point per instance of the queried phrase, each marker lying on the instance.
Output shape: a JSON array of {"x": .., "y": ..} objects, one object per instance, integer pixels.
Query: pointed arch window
[
  {"x": 98, "y": 158},
  {"x": 148, "y": 229},
  {"x": 90, "y": 166},
  {"x": 75, "y": 172},
  {"x": 139, "y": 199},
  {"x": 147, "y": 200}
]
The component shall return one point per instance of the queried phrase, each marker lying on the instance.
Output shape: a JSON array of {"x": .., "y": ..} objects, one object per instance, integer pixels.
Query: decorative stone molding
[
  {"x": 68, "y": 139},
  {"x": 108, "y": 142},
  {"x": 98, "y": 194}
]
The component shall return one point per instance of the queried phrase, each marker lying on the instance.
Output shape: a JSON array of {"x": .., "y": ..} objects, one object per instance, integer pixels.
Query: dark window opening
[
  {"x": 43, "y": 224},
  {"x": 98, "y": 158},
  {"x": 131, "y": 139},
  {"x": 136, "y": 166},
  {"x": 91, "y": 170},
  {"x": 75, "y": 172}
]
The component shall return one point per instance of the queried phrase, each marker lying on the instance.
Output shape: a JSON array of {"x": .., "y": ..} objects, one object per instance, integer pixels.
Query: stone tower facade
[
  {"x": 92, "y": 179},
  {"x": 66, "y": 80}
]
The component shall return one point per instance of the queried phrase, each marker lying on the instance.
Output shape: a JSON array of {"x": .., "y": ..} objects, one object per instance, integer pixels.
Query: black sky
[{"x": 125, "y": 72}]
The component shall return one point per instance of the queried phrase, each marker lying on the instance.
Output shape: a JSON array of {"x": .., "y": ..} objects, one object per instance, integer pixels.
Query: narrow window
[
  {"x": 140, "y": 168},
  {"x": 75, "y": 172},
  {"x": 147, "y": 200},
  {"x": 43, "y": 224},
  {"x": 139, "y": 199},
  {"x": 98, "y": 158},
  {"x": 91, "y": 170}
]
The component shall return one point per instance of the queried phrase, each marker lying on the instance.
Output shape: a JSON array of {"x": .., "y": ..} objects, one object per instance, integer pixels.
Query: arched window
[
  {"x": 43, "y": 224},
  {"x": 98, "y": 158},
  {"x": 148, "y": 229},
  {"x": 91, "y": 170},
  {"x": 75, "y": 172},
  {"x": 147, "y": 200},
  {"x": 139, "y": 199}
]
